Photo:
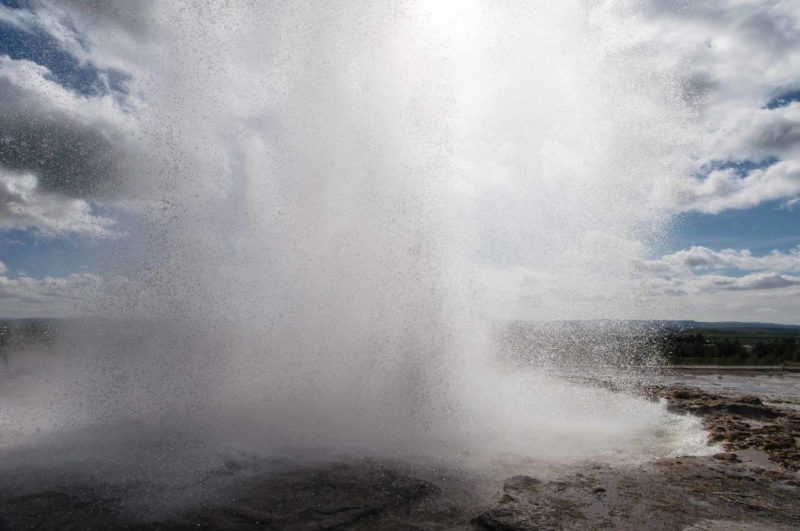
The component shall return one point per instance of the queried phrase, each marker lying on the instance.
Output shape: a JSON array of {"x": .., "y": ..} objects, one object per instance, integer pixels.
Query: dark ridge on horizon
[
  {"x": 730, "y": 324},
  {"x": 670, "y": 323}
]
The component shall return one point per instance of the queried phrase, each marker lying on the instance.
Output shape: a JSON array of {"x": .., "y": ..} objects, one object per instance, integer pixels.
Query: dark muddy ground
[{"x": 752, "y": 485}]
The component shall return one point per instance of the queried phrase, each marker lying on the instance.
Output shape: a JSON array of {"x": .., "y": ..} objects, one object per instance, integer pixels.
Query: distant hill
[
  {"x": 677, "y": 324},
  {"x": 728, "y": 325}
]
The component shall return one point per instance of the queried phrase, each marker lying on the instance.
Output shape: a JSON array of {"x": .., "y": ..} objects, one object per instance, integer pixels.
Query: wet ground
[
  {"x": 752, "y": 483},
  {"x": 769, "y": 385}
]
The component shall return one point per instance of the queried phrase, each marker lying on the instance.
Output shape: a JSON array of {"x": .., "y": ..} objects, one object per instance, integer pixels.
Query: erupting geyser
[{"x": 340, "y": 199}]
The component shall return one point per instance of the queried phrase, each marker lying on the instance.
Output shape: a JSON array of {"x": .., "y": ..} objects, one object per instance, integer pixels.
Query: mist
[{"x": 336, "y": 197}]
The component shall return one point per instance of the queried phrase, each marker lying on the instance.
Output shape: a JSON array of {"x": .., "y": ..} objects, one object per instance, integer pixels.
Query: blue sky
[
  {"x": 38, "y": 46},
  {"x": 760, "y": 229},
  {"x": 26, "y": 250},
  {"x": 74, "y": 97}
]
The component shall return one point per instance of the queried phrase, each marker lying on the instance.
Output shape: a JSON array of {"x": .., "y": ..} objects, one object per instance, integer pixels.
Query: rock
[
  {"x": 666, "y": 494},
  {"x": 520, "y": 483},
  {"x": 752, "y": 400},
  {"x": 334, "y": 497},
  {"x": 339, "y": 497},
  {"x": 750, "y": 411},
  {"x": 739, "y": 422},
  {"x": 727, "y": 456},
  {"x": 779, "y": 443},
  {"x": 684, "y": 394},
  {"x": 523, "y": 507}
]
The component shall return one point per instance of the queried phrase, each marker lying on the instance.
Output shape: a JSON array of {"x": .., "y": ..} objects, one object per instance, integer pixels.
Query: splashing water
[{"x": 339, "y": 198}]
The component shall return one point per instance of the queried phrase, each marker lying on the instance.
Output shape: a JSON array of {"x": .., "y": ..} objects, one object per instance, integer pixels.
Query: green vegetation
[{"x": 733, "y": 347}]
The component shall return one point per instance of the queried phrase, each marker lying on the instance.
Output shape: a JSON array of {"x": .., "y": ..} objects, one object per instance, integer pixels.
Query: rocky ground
[
  {"x": 756, "y": 488},
  {"x": 686, "y": 493},
  {"x": 741, "y": 422},
  {"x": 751, "y": 485}
]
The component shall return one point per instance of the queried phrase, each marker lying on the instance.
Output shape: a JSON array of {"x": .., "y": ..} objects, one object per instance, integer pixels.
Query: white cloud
[
  {"x": 694, "y": 271},
  {"x": 688, "y": 284},
  {"x": 764, "y": 280},
  {"x": 753, "y": 297},
  {"x": 582, "y": 163},
  {"x": 70, "y": 295},
  {"x": 103, "y": 33},
  {"x": 766, "y": 310},
  {"x": 20, "y": 18},
  {"x": 78, "y": 146},
  {"x": 791, "y": 204},
  {"x": 699, "y": 258},
  {"x": 732, "y": 58},
  {"x": 25, "y": 296},
  {"x": 717, "y": 65},
  {"x": 23, "y": 205},
  {"x": 698, "y": 283},
  {"x": 63, "y": 152},
  {"x": 725, "y": 189}
]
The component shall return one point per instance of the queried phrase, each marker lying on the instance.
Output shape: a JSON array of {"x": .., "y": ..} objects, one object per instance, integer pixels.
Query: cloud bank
[
  {"x": 736, "y": 63},
  {"x": 68, "y": 134},
  {"x": 702, "y": 110},
  {"x": 699, "y": 258},
  {"x": 740, "y": 65},
  {"x": 24, "y": 296}
]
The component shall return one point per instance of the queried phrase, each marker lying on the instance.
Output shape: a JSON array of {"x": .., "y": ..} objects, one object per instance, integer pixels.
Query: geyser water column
[
  {"x": 315, "y": 219},
  {"x": 346, "y": 173},
  {"x": 338, "y": 182}
]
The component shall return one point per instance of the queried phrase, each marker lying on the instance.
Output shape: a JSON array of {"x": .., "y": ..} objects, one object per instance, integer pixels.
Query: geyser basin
[
  {"x": 165, "y": 438},
  {"x": 75, "y": 405},
  {"x": 340, "y": 198}
]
